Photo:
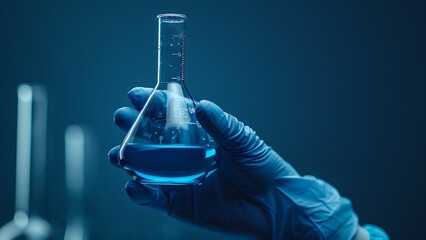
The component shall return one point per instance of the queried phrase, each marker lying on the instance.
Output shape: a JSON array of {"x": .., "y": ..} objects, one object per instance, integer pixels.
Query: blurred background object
[
  {"x": 80, "y": 178},
  {"x": 30, "y": 196},
  {"x": 346, "y": 79}
]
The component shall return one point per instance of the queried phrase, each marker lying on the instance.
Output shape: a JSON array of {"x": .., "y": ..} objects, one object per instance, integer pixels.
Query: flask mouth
[{"x": 174, "y": 17}]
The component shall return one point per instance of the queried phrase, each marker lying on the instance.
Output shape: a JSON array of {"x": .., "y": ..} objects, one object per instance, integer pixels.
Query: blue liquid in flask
[{"x": 169, "y": 163}]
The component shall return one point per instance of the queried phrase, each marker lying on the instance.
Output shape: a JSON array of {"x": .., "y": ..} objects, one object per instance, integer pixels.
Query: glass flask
[
  {"x": 29, "y": 221},
  {"x": 80, "y": 160},
  {"x": 166, "y": 145}
]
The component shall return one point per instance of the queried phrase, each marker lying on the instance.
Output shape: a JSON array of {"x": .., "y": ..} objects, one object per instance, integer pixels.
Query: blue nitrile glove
[{"x": 254, "y": 192}]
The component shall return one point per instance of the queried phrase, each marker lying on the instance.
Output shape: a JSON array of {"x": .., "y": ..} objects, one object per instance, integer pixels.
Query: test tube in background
[
  {"x": 30, "y": 195},
  {"x": 80, "y": 148}
]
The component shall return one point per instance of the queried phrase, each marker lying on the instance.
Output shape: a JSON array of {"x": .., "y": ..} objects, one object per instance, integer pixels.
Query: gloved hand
[{"x": 254, "y": 192}]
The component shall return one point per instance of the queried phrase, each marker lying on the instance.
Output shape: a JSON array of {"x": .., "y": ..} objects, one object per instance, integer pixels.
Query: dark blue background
[{"x": 338, "y": 89}]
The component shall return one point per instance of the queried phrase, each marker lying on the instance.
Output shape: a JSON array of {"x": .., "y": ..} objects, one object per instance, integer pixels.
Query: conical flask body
[{"x": 166, "y": 144}]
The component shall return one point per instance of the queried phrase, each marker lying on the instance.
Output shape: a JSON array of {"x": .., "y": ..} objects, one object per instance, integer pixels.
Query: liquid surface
[{"x": 168, "y": 163}]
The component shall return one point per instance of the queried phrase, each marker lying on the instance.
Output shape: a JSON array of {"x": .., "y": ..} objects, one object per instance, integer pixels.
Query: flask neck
[{"x": 171, "y": 48}]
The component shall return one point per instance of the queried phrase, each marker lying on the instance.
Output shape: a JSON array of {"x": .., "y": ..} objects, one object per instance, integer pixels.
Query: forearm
[
  {"x": 311, "y": 204},
  {"x": 317, "y": 206},
  {"x": 361, "y": 234}
]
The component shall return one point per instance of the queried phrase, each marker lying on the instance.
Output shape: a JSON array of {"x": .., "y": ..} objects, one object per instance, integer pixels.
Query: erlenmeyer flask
[
  {"x": 166, "y": 144},
  {"x": 30, "y": 200}
]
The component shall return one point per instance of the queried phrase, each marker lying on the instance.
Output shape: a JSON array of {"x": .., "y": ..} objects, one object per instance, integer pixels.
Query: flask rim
[{"x": 171, "y": 16}]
